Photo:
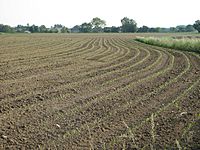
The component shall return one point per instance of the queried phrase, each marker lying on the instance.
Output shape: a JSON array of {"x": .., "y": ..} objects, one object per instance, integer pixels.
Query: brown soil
[{"x": 96, "y": 91}]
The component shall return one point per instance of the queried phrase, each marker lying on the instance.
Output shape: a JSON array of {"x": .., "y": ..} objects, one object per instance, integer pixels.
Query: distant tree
[
  {"x": 76, "y": 29},
  {"x": 20, "y": 28},
  {"x": 2, "y": 28},
  {"x": 6, "y": 28},
  {"x": 42, "y": 29},
  {"x": 53, "y": 30},
  {"x": 86, "y": 27},
  {"x": 26, "y": 28},
  {"x": 128, "y": 25},
  {"x": 107, "y": 29},
  {"x": 98, "y": 24},
  {"x": 64, "y": 30},
  {"x": 163, "y": 30},
  {"x": 196, "y": 25},
  {"x": 181, "y": 28},
  {"x": 58, "y": 26},
  {"x": 172, "y": 29},
  {"x": 112, "y": 29},
  {"x": 34, "y": 29},
  {"x": 155, "y": 29},
  {"x": 189, "y": 28},
  {"x": 143, "y": 29},
  {"x": 115, "y": 29}
]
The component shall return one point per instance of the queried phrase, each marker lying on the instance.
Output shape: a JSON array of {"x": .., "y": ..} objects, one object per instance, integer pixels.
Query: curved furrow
[
  {"x": 101, "y": 78},
  {"x": 43, "y": 58},
  {"x": 95, "y": 54},
  {"x": 60, "y": 51},
  {"x": 124, "y": 110},
  {"x": 25, "y": 44},
  {"x": 152, "y": 65},
  {"x": 92, "y": 69},
  {"x": 105, "y": 102},
  {"x": 48, "y": 61},
  {"x": 114, "y": 43},
  {"x": 66, "y": 53},
  {"x": 61, "y": 87},
  {"x": 187, "y": 103},
  {"x": 116, "y": 62},
  {"x": 21, "y": 50},
  {"x": 55, "y": 112},
  {"x": 95, "y": 47},
  {"x": 185, "y": 72},
  {"x": 125, "y": 68},
  {"x": 104, "y": 49},
  {"x": 115, "y": 53},
  {"x": 108, "y": 66},
  {"x": 48, "y": 49},
  {"x": 20, "y": 94},
  {"x": 165, "y": 118},
  {"x": 29, "y": 61},
  {"x": 120, "y": 51},
  {"x": 110, "y": 53},
  {"x": 125, "y": 58},
  {"x": 22, "y": 69},
  {"x": 110, "y": 91},
  {"x": 102, "y": 63}
]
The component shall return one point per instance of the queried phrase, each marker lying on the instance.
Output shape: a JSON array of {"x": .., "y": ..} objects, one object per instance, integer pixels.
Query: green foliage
[
  {"x": 64, "y": 30},
  {"x": 172, "y": 29},
  {"x": 181, "y": 28},
  {"x": 112, "y": 29},
  {"x": 21, "y": 28},
  {"x": 107, "y": 29},
  {"x": 186, "y": 44},
  {"x": 196, "y": 25},
  {"x": 6, "y": 28},
  {"x": 128, "y": 25},
  {"x": 42, "y": 29},
  {"x": 143, "y": 29},
  {"x": 157, "y": 29},
  {"x": 56, "y": 26},
  {"x": 34, "y": 29},
  {"x": 97, "y": 24},
  {"x": 86, "y": 27},
  {"x": 189, "y": 28},
  {"x": 76, "y": 29},
  {"x": 115, "y": 29}
]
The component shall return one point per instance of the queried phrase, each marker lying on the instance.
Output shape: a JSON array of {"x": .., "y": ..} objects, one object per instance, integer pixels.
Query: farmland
[{"x": 96, "y": 91}]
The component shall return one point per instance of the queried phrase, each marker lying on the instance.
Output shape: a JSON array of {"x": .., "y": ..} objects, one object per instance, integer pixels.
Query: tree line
[{"x": 97, "y": 25}]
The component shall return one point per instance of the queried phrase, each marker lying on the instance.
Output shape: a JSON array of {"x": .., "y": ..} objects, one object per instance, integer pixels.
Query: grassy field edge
[{"x": 184, "y": 44}]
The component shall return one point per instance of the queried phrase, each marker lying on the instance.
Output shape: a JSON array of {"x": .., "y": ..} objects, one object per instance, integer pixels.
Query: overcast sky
[{"x": 153, "y": 13}]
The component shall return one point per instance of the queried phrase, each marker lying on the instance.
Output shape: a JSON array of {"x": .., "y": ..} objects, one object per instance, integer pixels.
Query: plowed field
[{"x": 96, "y": 91}]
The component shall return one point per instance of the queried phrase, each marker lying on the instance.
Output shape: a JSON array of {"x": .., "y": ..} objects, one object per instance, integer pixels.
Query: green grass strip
[{"x": 184, "y": 44}]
